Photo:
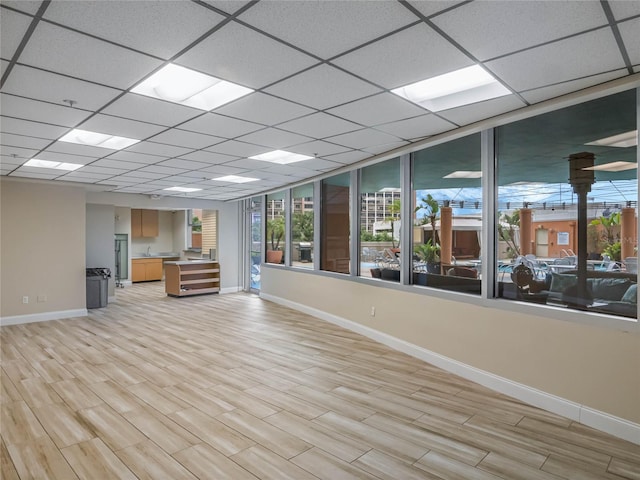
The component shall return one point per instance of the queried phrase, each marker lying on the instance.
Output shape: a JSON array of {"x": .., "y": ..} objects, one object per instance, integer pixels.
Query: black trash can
[
  {"x": 98, "y": 287},
  {"x": 305, "y": 252}
]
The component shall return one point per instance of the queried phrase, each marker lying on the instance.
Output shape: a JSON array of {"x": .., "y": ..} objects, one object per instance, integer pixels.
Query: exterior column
[
  {"x": 446, "y": 235},
  {"x": 526, "y": 215},
  {"x": 628, "y": 232}
]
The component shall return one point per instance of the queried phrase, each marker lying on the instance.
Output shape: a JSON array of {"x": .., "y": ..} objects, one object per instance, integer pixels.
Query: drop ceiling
[{"x": 321, "y": 71}]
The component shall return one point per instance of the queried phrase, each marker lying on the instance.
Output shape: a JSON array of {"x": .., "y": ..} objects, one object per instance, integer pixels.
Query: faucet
[{"x": 149, "y": 251}]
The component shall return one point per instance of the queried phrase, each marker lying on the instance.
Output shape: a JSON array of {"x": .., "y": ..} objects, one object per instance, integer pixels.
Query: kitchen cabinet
[
  {"x": 146, "y": 269},
  {"x": 192, "y": 278},
  {"x": 144, "y": 223}
]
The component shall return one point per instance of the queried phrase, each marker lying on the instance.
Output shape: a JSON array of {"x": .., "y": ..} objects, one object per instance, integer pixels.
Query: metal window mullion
[
  {"x": 406, "y": 223},
  {"x": 263, "y": 220},
  {"x": 317, "y": 189},
  {"x": 288, "y": 231},
  {"x": 354, "y": 209},
  {"x": 488, "y": 286}
]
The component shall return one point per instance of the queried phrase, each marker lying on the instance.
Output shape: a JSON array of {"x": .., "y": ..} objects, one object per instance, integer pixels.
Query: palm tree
[
  {"x": 394, "y": 214},
  {"x": 432, "y": 208}
]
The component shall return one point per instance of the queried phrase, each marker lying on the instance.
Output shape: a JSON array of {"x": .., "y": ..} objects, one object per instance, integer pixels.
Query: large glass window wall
[
  {"x": 302, "y": 226},
  {"x": 335, "y": 238},
  {"x": 276, "y": 231}
]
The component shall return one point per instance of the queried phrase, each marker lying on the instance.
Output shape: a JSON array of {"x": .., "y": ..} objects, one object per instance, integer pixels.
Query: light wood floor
[{"x": 233, "y": 387}]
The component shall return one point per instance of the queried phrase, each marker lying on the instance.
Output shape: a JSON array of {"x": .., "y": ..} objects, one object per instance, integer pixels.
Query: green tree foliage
[
  {"x": 508, "y": 225},
  {"x": 275, "y": 232},
  {"x": 302, "y": 225}
]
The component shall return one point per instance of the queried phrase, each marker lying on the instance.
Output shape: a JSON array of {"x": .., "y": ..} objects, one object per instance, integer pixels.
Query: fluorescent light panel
[
  {"x": 614, "y": 166},
  {"x": 187, "y": 87},
  {"x": 235, "y": 179},
  {"x": 464, "y": 174},
  {"x": 281, "y": 157},
  {"x": 182, "y": 189},
  {"x": 626, "y": 139},
  {"x": 94, "y": 139},
  {"x": 36, "y": 162},
  {"x": 461, "y": 87}
]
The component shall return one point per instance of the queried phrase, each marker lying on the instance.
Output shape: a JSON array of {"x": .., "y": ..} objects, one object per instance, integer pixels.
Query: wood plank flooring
[{"x": 233, "y": 387}]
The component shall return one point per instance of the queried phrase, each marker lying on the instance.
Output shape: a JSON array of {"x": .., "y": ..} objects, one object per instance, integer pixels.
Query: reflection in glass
[
  {"x": 302, "y": 226},
  {"x": 567, "y": 200},
  {"x": 275, "y": 240},
  {"x": 256, "y": 242},
  {"x": 334, "y": 222},
  {"x": 448, "y": 216}
]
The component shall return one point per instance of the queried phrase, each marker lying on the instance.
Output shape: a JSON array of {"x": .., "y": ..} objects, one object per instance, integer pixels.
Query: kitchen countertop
[{"x": 154, "y": 255}]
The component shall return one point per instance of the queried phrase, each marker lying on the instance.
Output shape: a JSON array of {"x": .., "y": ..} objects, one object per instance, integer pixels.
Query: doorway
[{"x": 542, "y": 242}]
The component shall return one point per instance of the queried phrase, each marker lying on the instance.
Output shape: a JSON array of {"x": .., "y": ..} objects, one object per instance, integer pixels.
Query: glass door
[{"x": 254, "y": 237}]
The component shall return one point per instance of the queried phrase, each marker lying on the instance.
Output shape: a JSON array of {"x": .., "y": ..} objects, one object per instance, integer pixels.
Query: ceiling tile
[
  {"x": 320, "y": 125},
  {"x": 224, "y": 170},
  {"x": 25, "y": 108},
  {"x": 265, "y": 109},
  {"x": 432, "y": 8},
  {"x": 248, "y": 164},
  {"x": 210, "y": 157},
  {"x": 28, "y": 82},
  {"x": 321, "y": 164},
  {"x": 274, "y": 138},
  {"x": 120, "y": 126},
  {"x": 244, "y": 56},
  {"x": 15, "y": 155},
  {"x": 120, "y": 180},
  {"x": 111, "y": 163},
  {"x": 32, "y": 129},
  {"x": 147, "y": 109},
  {"x": 622, "y": 10},
  {"x": 322, "y": 87},
  {"x": 64, "y": 157},
  {"x": 481, "y": 110},
  {"x": 163, "y": 170},
  {"x": 57, "y": 49},
  {"x": 147, "y": 175},
  {"x": 405, "y": 58},
  {"x": 3, "y": 66},
  {"x": 630, "y": 31},
  {"x": 318, "y": 148},
  {"x": 238, "y": 149},
  {"x": 31, "y": 174},
  {"x": 327, "y": 28},
  {"x": 229, "y": 6},
  {"x": 382, "y": 108},
  {"x": 183, "y": 164},
  {"x": 363, "y": 138},
  {"x": 348, "y": 157},
  {"x": 13, "y": 26},
  {"x": 22, "y": 141},
  {"x": 425, "y": 125},
  {"x": 107, "y": 172},
  {"x": 220, "y": 126},
  {"x": 136, "y": 157},
  {"x": 158, "y": 28},
  {"x": 77, "y": 149},
  {"x": 575, "y": 57},
  {"x": 545, "y": 93},
  {"x": 387, "y": 147},
  {"x": 159, "y": 149},
  {"x": 525, "y": 24},
  {"x": 29, "y": 6},
  {"x": 182, "y": 138}
]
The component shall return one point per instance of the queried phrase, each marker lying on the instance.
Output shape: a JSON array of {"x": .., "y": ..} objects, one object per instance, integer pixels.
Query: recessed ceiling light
[
  {"x": 188, "y": 87},
  {"x": 281, "y": 157},
  {"x": 36, "y": 162},
  {"x": 626, "y": 139},
  {"x": 462, "y": 87},
  {"x": 235, "y": 179},
  {"x": 614, "y": 166},
  {"x": 182, "y": 189},
  {"x": 94, "y": 139},
  {"x": 464, "y": 174}
]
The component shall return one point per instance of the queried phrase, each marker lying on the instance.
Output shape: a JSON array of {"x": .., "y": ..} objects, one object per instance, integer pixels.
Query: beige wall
[
  {"x": 163, "y": 242},
  {"x": 42, "y": 250},
  {"x": 592, "y": 366}
]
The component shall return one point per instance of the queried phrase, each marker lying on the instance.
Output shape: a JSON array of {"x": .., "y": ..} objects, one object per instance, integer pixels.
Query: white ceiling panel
[
  {"x": 29, "y": 6},
  {"x": 15, "y": 155},
  {"x": 183, "y": 138},
  {"x": 265, "y": 109},
  {"x": 569, "y": 59},
  {"x": 328, "y": 28},
  {"x": 525, "y": 24},
  {"x": 238, "y": 149},
  {"x": 3, "y": 66},
  {"x": 322, "y": 87},
  {"x": 209, "y": 158},
  {"x": 120, "y": 181},
  {"x": 144, "y": 175},
  {"x": 544, "y": 93},
  {"x": 274, "y": 138},
  {"x": 376, "y": 149},
  {"x": 363, "y": 138},
  {"x": 630, "y": 31},
  {"x": 432, "y": 8},
  {"x": 31, "y": 129},
  {"x": 318, "y": 148},
  {"x": 625, "y": 9},
  {"x": 28, "y": 109},
  {"x": 147, "y": 109},
  {"x": 228, "y": 6},
  {"x": 244, "y": 56},
  {"x": 83, "y": 178},
  {"x": 157, "y": 28},
  {"x": 382, "y": 108},
  {"x": 423, "y": 126},
  {"x": 136, "y": 157},
  {"x": 121, "y": 126},
  {"x": 107, "y": 172},
  {"x": 321, "y": 164},
  {"x": 405, "y": 58},
  {"x": 50, "y": 87},
  {"x": 220, "y": 126},
  {"x": 182, "y": 164},
  {"x": 64, "y": 157},
  {"x": 13, "y": 26},
  {"x": 159, "y": 149},
  {"x": 248, "y": 164},
  {"x": 224, "y": 170},
  {"x": 481, "y": 110},
  {"x": 57, "y": 49},
  {"x": 163, "y": 170},
  {"x": 20, "y": 141},
  {"x": 111, "y": 163},
  {"x": 348, "y": 157},
  {"x": 320, "y": 125},
  {"x": 77, "y": 149},
  {"x": 31, "y": 174}
]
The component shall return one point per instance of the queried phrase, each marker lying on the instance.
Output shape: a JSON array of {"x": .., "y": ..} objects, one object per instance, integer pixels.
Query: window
[
  {"x": 276, "y": 238},
  {"x": 334, "y": 222},
  {"x": 302, "y": 226},
  {"x": 447, "y": 228},
  {"x": 380, "y": 201},
  {"x": 194, "y": 229},
  {"x": 567, "y": 207}
]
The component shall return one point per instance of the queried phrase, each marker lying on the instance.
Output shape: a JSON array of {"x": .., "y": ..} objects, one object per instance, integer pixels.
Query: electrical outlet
[
  {"x": 42, "y": 298},
  {"x": 25, "y": 299},
  {"x": 373, "y": 311}
]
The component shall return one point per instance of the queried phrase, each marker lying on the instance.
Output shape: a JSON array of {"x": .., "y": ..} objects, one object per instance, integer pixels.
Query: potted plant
[
  {"x": 275, "y": 232},
  {"x": 429, "y": 253}
]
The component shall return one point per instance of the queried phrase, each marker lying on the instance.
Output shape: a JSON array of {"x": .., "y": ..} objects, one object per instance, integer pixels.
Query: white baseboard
[
  {"x": 602, "y": 421},
  {"x": 230, "y": 290},
  {"x": 42, "y": 317}
]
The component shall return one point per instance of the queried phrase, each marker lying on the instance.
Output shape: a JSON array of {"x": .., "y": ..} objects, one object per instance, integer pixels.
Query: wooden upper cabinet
[{"x": 144, "y": 223}]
